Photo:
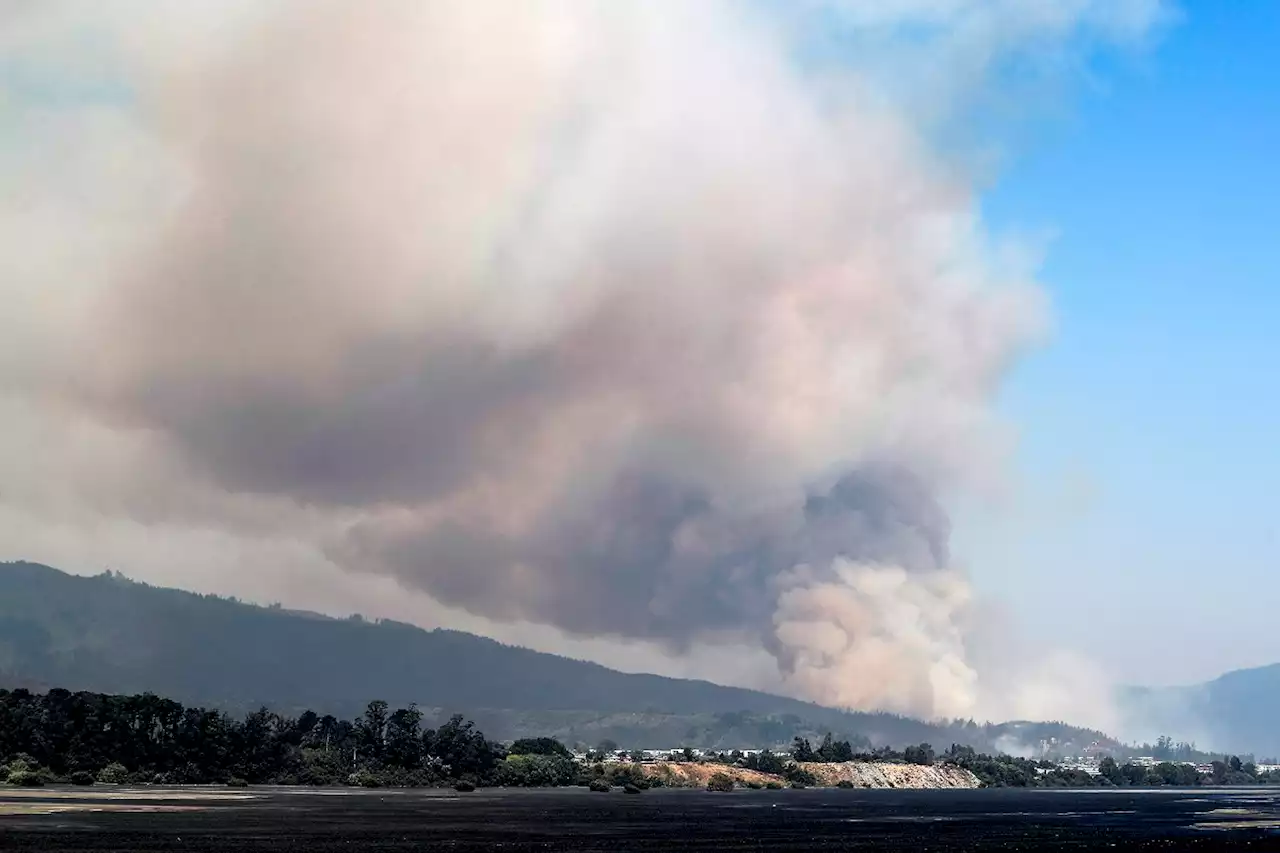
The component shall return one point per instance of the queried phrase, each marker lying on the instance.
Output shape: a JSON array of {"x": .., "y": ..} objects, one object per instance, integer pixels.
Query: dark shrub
[
  {"x": 537, "y": 771},
  {"x": 773, "y": 786},
  {"x": 799, "y": 777},
  {"x": 464, "y": 786},
  {"x": 845, "y": 783},
  {"x": 754, "y": 785},
  {"x": 539, "y": 746},
  {"x": 113, "y": 774},
  {"x": 628, "y": 774},
  {"x": 600, "y": 786},
  {"x": 720, "y": 782},
  {"x": 922, "y": 754},
  {"x": 364, "y": 778},
  {"x": 630, "y": 789},
  {"x": 81, "y": 777},
  {"x": 27, "y": 779},
  {"x": 237, "y": 782}
]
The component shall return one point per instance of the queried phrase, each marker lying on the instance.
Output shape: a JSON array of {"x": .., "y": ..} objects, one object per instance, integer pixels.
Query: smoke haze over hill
[{"x": 641, "y": 321}]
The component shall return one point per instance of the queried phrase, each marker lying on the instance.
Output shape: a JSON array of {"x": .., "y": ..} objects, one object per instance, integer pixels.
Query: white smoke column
[
  {"x": 625, "y": 318},
  {"x": 869, "y": 636}
]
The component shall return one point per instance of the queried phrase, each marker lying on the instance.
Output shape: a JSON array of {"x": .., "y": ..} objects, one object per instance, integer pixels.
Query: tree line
[
  {"x": 858, "y": 749},
  {"x": 146, "y": 739},
  {"x": 86, "y": 737},
  {"x": 149, "y": 739}
]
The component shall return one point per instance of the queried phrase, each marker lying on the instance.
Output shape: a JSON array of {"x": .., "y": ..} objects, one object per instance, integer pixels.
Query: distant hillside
[
  {"x": 1233, "y": 713},
  {"x": 112, "y": 635}
]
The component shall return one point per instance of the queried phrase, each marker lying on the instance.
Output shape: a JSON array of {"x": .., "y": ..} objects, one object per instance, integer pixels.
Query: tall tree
[
  {"x": 373, "y": 730},
  {"x": 403, "y": 746}
]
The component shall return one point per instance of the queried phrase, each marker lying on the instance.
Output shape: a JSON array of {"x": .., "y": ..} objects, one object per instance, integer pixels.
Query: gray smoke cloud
[{"x": 632, "y": 319}]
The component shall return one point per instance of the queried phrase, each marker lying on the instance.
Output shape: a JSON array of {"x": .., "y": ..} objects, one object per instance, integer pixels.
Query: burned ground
[{"x": 302, "y": 820}]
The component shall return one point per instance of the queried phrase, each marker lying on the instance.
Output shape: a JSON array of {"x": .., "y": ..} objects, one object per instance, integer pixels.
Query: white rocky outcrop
[{"x": 880, "y": 774}]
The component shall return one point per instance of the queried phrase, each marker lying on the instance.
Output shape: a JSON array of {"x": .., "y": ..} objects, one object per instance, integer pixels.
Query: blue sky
[{"x": 1144, "y": 529}]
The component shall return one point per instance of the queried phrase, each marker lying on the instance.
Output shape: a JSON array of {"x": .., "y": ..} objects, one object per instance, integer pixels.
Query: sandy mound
[
  {"x": 693, "y": 775},
  {"x": 888, "y": 775},
  {"x": 861, "y": 774}
]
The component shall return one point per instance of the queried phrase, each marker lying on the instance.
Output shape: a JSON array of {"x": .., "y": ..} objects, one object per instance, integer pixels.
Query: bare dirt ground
[{"x": 693, "y": 775}]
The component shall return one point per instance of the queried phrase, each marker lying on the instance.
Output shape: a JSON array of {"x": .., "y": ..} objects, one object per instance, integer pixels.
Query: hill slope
[
  {"x": 113, "y": 635},
  {"x": 1233, "y": 713}
]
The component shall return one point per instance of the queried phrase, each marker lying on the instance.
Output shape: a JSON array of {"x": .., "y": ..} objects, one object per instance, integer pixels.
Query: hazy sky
[
  {"x": 1148, "y": 456},
  {"x": 685, "y": 274}
]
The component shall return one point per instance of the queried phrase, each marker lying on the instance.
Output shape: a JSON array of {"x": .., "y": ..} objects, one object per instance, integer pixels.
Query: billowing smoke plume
[{"x": 635, "y": 319}]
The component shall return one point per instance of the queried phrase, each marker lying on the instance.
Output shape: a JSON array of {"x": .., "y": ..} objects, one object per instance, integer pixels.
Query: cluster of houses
[
  {"x": 677, "y": 753},
  {"x": 1090, "y": 764},
  {"x": 1089, "y": 758},
  {"x": 1089, "y": 761}
]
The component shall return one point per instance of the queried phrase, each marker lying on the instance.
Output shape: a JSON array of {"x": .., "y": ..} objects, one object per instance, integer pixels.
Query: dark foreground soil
[{"x": 576, "y": 820}]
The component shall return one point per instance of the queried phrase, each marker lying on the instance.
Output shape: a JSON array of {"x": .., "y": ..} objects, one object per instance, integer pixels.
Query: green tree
[
  {"x": 403, "y": 743},
  {"x": 373, "y": 730},
  {"x": 768, "y": 762},
  {"x": 539, "y": 746},
  {"x": 799, "y": 777},
  {"x": 920, "y": 754},
  {"x": 462, "y": 750}
]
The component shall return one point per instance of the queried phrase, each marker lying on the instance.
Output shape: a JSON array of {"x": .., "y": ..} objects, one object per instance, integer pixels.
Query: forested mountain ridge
[
  {"x": 1233, "y": 712},
  {"x": 113, "y": 635}
]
